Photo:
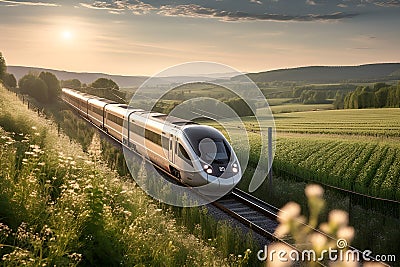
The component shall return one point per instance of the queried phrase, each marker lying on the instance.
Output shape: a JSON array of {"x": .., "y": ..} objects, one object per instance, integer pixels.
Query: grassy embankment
[{"x": 61, "y": 206}]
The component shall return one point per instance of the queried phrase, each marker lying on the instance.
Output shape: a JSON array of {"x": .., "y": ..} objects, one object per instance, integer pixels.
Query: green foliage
[
  {"x": 76, "y": 128},
  {"x": 240, "y": 107},
  {"x": 32, "y": 85},
  {"x": 3, "y": 66},
  {"x": 105, "y": 84},
  {"x": 115, "y": 95},
  {"x": 381, "y": 95},
  {"x": 73, "y": 84},
  {"x": 339, "y": 101},
  {"x": 9, "y": 80},
  {"x": 53, "y": 84},
  {"x": 313, "y": 97}
]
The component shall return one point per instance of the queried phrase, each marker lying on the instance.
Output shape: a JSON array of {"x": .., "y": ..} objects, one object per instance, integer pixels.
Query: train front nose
[{"x": 219, "y": 185}]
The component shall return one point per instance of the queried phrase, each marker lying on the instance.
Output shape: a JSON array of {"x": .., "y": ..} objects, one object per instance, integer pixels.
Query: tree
[
  {"x": 3, "y": 67},
  {"x": 52, "y": 83},
  {"x": 339, "y": 101},
  {"x": 34, "y": 86},
  {"x": 381, "y": 97},
  {"x": 73, "y": 84},
  {"x": 241, "y": 107},
  {"x": 105, "y": 83},
  {"x": 319, "y": 97},
  {"x": 9, "y": 80}
]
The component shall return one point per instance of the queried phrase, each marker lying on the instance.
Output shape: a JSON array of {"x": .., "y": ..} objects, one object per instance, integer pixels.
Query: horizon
[
  {"x": 134, "y": 37},
  {"x": 201, "y": 74}
]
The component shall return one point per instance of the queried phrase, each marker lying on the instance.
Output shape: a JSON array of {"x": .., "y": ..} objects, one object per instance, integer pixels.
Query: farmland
[
  {"x": 360, "y": 122},
  {"x": 352, "y": 149},
  {"x": 356, "y": 150}
]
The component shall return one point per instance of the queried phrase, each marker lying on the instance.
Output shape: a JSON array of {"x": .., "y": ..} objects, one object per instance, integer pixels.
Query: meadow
[{"x": 62, "y": 206}]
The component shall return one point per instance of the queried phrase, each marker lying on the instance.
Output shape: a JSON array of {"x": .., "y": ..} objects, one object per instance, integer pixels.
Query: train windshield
[{"x": 209, "y": 144}]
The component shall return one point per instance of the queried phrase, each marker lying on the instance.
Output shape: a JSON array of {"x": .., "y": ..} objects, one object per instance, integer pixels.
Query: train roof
[
  {"x": 124, "y": 109},
  {"x": 171, "y": 119}
]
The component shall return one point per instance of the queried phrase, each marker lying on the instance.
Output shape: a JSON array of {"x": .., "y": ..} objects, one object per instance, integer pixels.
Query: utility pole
[{"x": 270, "y": 158}]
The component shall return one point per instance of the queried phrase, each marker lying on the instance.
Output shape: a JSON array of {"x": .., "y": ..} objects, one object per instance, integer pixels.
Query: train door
[{"x": 172, "y": 148}]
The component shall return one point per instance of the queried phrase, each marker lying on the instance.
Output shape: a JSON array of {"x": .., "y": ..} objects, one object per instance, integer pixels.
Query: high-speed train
[{"x": 198, "y": 155}]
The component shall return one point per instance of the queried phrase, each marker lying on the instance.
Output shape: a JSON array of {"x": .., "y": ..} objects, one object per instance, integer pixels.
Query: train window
[
  {"x": 153, "y": 137},
  {"x": 183, "y": 153},
  {"x": 115, "y": 119},
  {"x": 97, "y": 111},
  {"x": 136, "y": 129}
]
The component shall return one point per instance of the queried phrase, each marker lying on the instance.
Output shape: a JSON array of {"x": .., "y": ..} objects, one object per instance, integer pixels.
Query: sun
[{"x": 67, "y": 35}]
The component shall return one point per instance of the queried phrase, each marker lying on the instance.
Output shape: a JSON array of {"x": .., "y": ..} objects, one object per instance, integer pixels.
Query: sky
[{"x": 133, "y": 37}]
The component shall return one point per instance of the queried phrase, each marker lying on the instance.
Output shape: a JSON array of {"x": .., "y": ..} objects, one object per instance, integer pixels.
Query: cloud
[
  {"x": 392, "y": 3},
  {"x": 310, "y": 2},
  {"x": 116, "y": 7},
  {"x": 256, "y": 2},
  {"x": 27, "y": 3},
  {"x": 197, "y": 11}
]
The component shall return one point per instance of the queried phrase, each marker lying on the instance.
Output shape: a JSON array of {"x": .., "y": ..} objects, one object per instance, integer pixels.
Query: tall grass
[{"x": 61, "y": 206}]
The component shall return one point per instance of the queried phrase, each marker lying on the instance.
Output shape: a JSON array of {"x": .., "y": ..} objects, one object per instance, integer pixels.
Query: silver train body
[{"x": 178, "y": 146}]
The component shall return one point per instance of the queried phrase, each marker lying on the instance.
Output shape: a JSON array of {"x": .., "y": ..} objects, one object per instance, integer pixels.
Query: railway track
[{"x": 252, "y": 212}]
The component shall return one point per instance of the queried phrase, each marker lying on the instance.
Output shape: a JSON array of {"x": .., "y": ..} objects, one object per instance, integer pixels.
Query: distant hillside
[
  {"x": 122, "y": 81},
  {"x": 324, "y": 74}
]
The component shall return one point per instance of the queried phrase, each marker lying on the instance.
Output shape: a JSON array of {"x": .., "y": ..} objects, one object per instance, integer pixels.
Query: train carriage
[{"x": 196, "y": 154}]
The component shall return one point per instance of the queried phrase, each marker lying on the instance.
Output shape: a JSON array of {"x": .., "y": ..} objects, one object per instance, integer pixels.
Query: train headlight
[
  {"x": 207, "y": 168},
  {"x": 235, "y": 168}
]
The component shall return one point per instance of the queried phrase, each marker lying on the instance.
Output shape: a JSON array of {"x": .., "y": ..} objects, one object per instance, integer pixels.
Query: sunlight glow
[{"x": 67, "y": 35}]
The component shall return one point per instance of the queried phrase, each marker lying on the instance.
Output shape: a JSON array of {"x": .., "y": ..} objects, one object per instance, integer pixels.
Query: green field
[
  {"x": 366, "y": 122},
  {"x": 356, "y": 150},
  {"x": 368, "y": 167},
  {"x": 288, "y": 108},
  {"x": 352, "y": 149}
]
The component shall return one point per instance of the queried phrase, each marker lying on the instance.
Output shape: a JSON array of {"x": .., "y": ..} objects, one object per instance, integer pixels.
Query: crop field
[
  {"x": 356, "y": 150},
  {"x": 352, "y": 149},
  {"x": 366, "y": 167},
  {"x": 288, "y": 108},
  {"x": 383, "y": 122}
]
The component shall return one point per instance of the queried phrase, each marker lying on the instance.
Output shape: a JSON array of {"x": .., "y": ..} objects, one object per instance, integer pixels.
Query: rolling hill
[
  {"x": 335, "y": 74},
  {"x": 122, "y": 81}
]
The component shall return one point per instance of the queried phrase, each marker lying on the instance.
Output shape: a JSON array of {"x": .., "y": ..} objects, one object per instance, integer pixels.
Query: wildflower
[
  {"x": 346, "y": 233},
  {"x": 41, "y": 163},
  {"x": 338, "y": 218},
  {"x": 282, "y": 230},
  {"x": 314, "y": 190},
  {"x": 318, "y": 241},
  {"x": 128, "y": 212},
  {"x": 34, "y": 128},
  {"x": 290, "y": 211}
]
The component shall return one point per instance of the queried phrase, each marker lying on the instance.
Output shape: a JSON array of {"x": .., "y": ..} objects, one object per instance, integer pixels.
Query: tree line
[
  {"x": 7, "y": 78},
  {"x": 381, "y": 95}
]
